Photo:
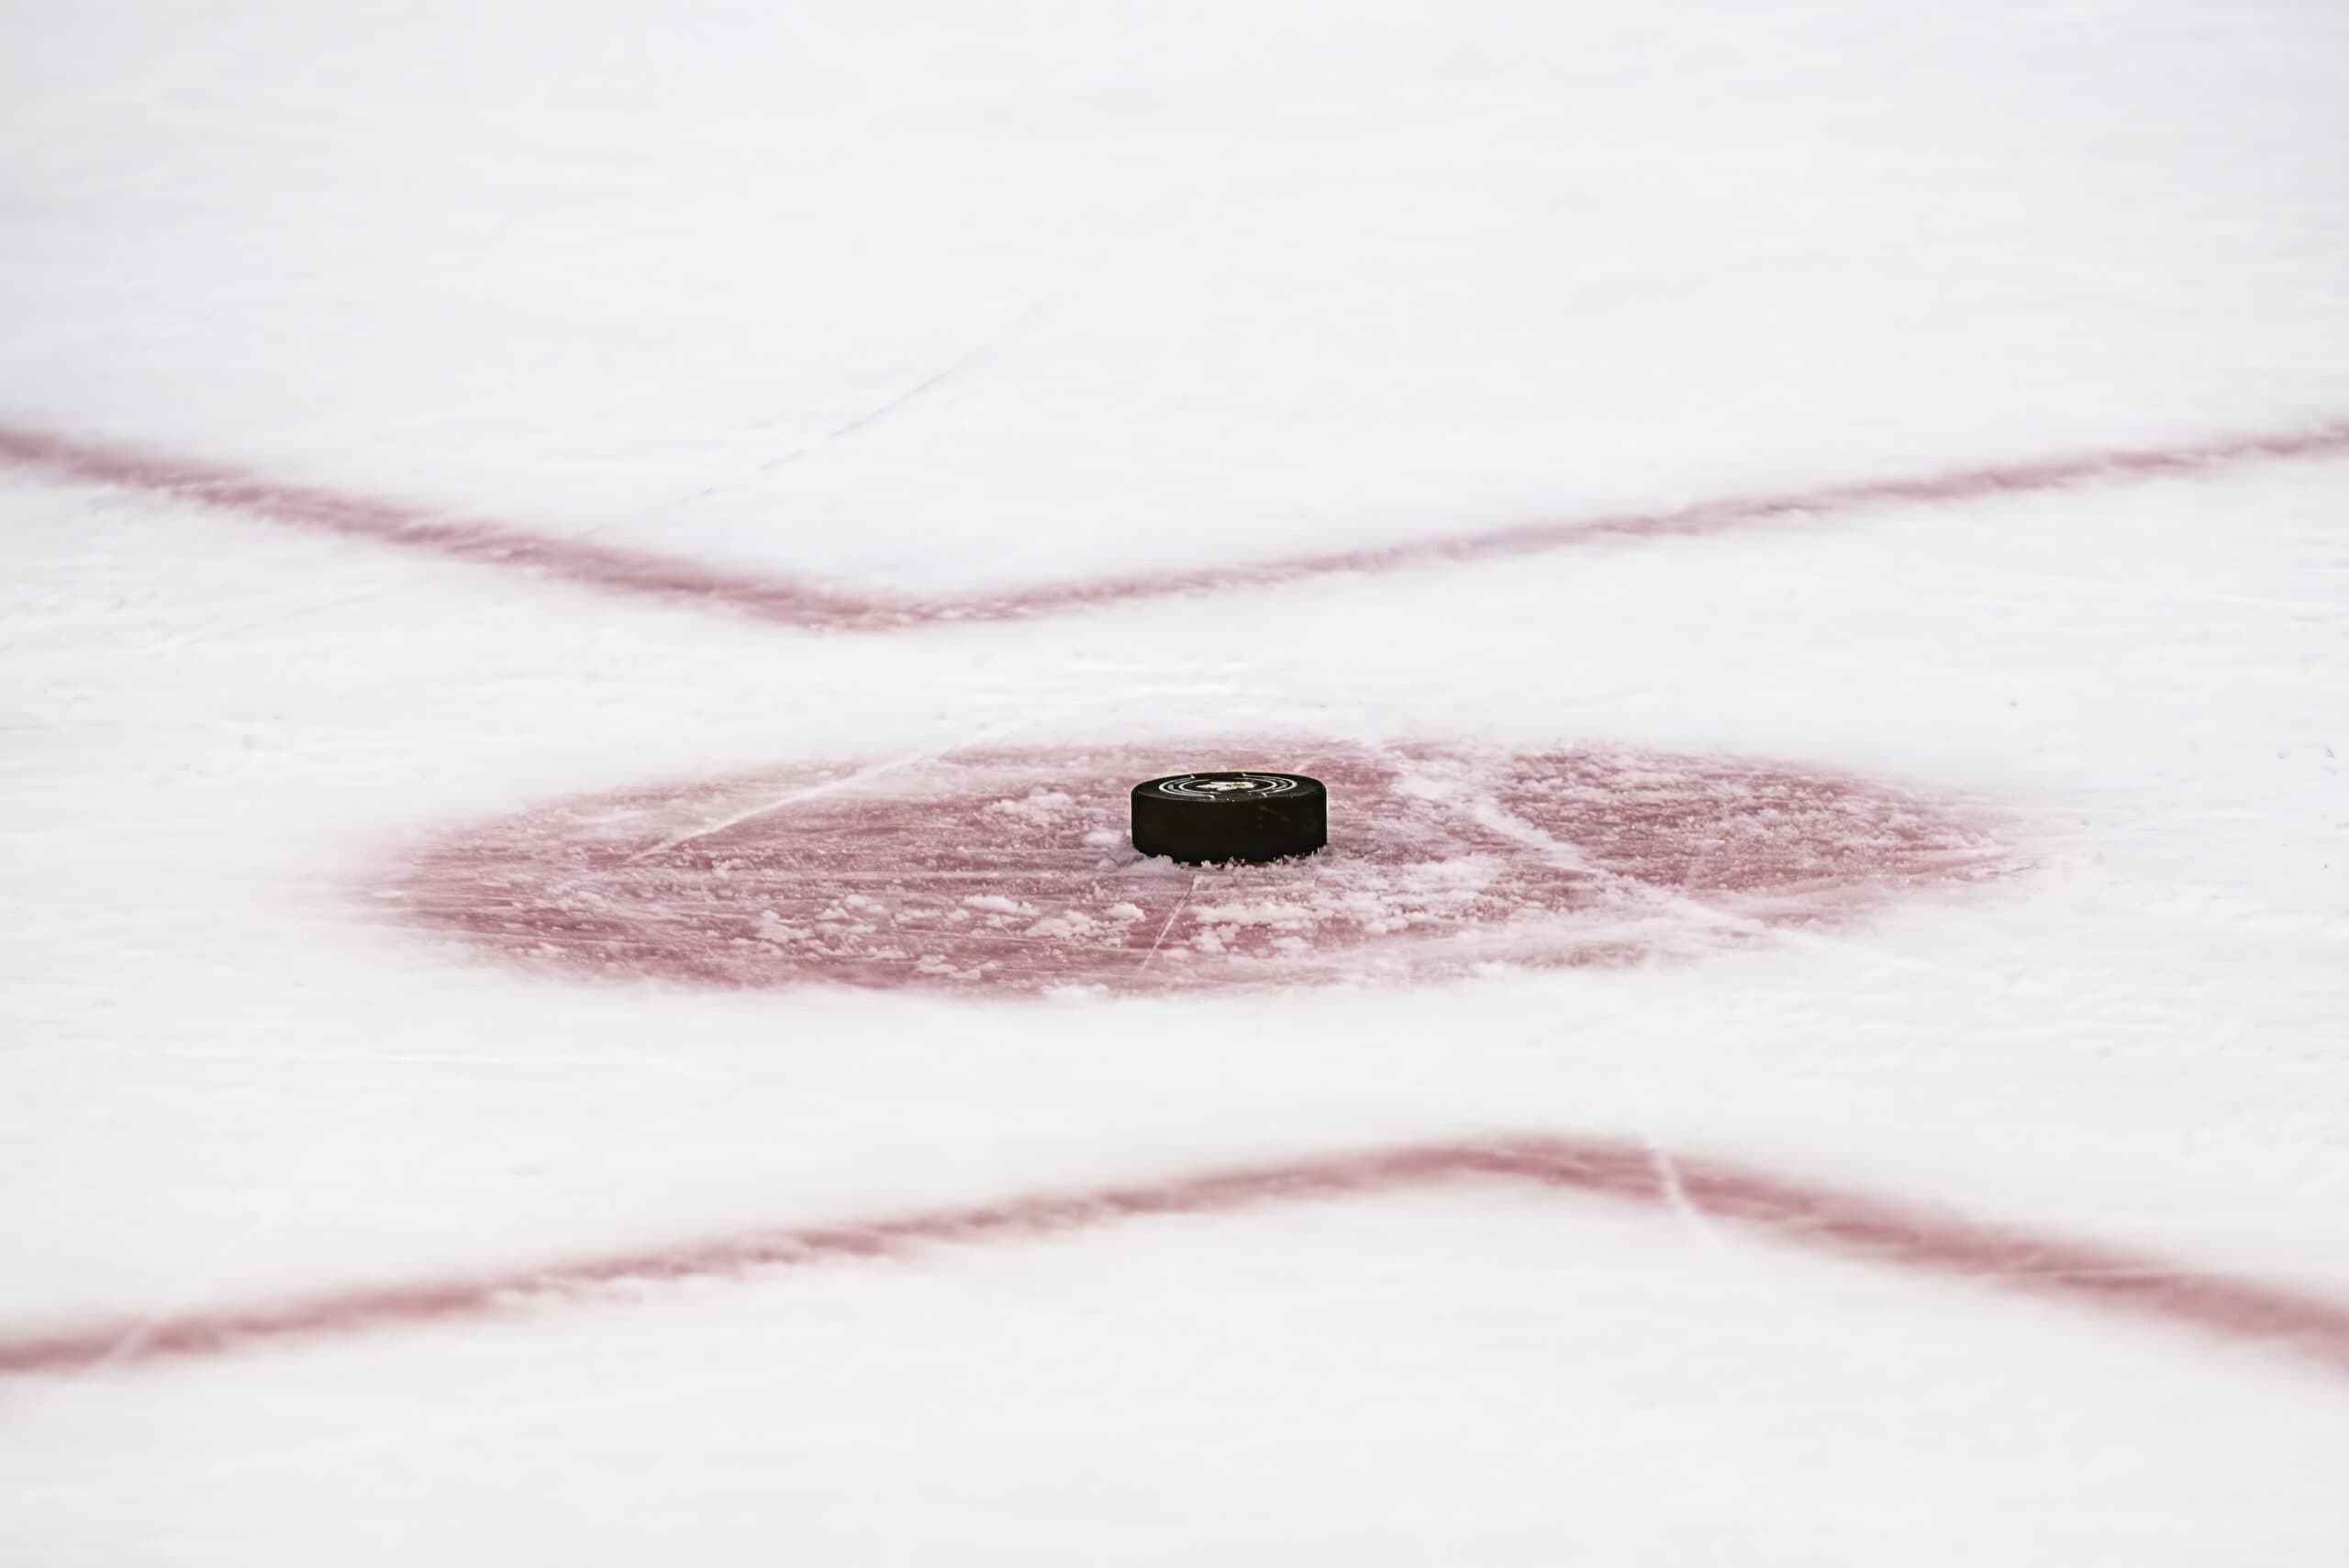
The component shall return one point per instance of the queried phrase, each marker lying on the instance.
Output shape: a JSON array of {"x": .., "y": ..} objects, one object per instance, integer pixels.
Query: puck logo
[{"x": 1224, "y": 787}]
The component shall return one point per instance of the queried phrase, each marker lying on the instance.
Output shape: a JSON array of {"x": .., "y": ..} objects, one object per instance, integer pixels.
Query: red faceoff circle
[{"x": 1009, "y": 870}]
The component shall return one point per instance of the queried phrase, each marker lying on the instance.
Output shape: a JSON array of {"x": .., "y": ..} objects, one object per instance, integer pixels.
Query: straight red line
[
  {"x": 639, "y": 574},
  {"x": 787, "y": 602},
  {"x": 1725, "y": 515},
  {"x": 1801, "y": 1213}
]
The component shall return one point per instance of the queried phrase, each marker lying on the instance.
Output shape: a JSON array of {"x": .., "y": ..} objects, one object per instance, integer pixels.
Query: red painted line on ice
[
  {"x": 641, "y": 573},
  {"x": 1726, "y": 515},
  {"x": 1821, "y": 1218},
  {"x": 781, "y": 601}
]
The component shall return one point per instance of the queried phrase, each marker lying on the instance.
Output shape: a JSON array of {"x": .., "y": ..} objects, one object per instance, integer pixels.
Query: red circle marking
[{"x": 1009, "y": 870}]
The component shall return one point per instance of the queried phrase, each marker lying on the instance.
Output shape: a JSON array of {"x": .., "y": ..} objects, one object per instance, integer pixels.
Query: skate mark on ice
[
  {"x": 1172, "y": 915},
  {"x": 791, "y": 602},
  {"x": 1008, "y": 871},
  {"x": 1833, "y": 1221}
]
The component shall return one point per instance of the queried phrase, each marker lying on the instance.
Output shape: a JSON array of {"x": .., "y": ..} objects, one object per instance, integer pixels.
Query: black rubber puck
[{"x": 1198, "y": 818}]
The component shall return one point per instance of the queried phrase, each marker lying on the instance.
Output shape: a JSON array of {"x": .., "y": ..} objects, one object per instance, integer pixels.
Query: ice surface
[
  {"x": 932, "y": 298},
  {"x": 940, "y": 296}
]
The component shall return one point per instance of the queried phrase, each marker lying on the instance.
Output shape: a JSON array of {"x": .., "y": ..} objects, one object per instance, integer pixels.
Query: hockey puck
[{"x": 1199, "y": 818}]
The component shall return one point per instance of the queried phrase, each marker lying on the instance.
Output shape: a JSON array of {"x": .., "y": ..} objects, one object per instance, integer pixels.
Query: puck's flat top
[{"x": 1212, "y": 788}]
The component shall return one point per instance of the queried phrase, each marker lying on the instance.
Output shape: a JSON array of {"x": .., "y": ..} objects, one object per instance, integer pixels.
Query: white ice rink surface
[{"x": 928, "y": 298}]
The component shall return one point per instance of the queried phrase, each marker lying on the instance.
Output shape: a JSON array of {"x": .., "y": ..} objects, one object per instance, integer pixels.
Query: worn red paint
[
  {"x": 1807, "y": 1214},
  {"x": 1010, "y": 871},
  {"x": 790, "y": 601}
]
